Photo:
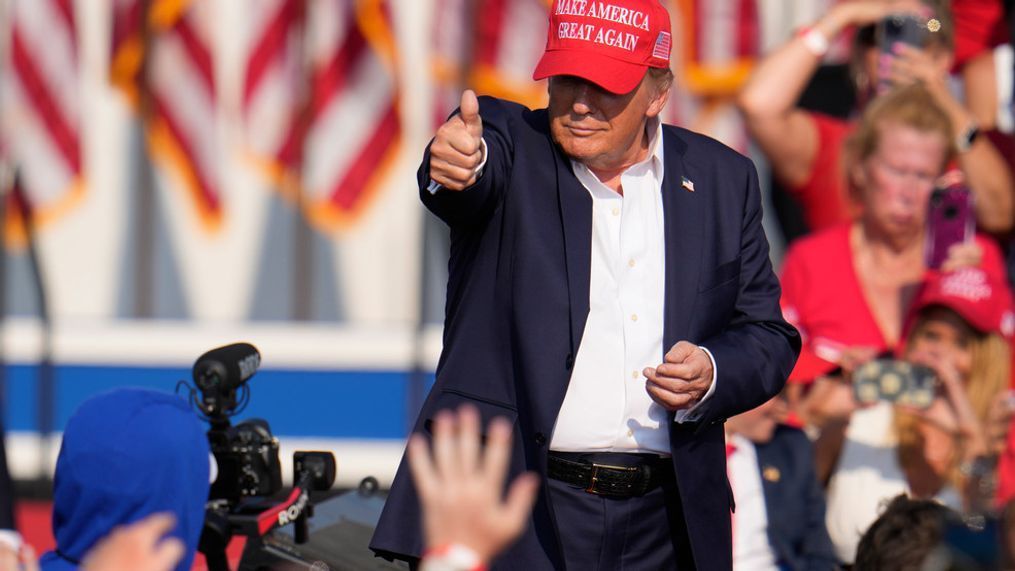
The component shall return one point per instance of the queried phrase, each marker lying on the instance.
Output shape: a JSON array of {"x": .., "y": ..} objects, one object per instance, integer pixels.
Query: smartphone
[
  {"x": 899, "y": 28},
  {"x": 894, "y": 381},
  {"x": 950, "y": 221}
]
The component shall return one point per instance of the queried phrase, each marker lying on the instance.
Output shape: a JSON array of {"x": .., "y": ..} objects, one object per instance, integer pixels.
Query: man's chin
[{"x": 578, "y": 150}]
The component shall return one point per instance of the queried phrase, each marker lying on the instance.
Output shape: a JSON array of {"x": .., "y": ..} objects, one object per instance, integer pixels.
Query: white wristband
[
  {"x": 452, "y": 557},
  {"x": 815, "y": 41}
]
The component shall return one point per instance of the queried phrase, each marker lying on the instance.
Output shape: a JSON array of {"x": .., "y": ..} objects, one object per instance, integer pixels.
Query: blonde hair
[
  {"x": 989, "y": 377},
  {"x": 908, "y": 106}
]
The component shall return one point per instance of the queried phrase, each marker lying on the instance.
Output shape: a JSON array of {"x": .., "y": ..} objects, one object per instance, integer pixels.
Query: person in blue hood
[{"x": 126, "y": 454}]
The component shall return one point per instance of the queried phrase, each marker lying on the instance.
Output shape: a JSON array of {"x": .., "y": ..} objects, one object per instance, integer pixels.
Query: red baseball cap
[
  {"x": 610, "y": 43},
  {"x": 983, "y": 301}
]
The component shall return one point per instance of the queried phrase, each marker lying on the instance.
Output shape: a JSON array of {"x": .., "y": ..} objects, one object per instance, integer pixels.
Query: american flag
[
  {"x": 173, "y": 87},
  {"x": 41, "y": 108},
  {"x": 661, "y": 49},
  {"x": 451, "y": 43},
  {"x": 491, "y": 46},
  {"x": 720, "y": 43},
  {"x": 320, "y": 101},
  {"x": 511, "y": 36}
]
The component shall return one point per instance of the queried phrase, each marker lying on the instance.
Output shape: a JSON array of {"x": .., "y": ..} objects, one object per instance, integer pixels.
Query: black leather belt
[{"x": 615, "y": 480}]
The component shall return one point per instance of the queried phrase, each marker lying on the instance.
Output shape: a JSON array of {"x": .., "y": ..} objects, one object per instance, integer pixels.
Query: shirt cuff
[
  {"x": 434, "y": 186},
  {"x": 689, "y": 415},
  {"x": 11, "y": 539}
]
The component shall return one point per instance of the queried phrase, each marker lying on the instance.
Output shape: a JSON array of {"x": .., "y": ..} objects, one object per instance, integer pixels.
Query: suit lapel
[
  {"x": 576, "y": 220},
  {"x": 684, "y": 234}
]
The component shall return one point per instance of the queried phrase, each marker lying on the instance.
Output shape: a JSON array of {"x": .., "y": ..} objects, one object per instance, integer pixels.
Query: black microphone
[{"x": 225, "y": 368}]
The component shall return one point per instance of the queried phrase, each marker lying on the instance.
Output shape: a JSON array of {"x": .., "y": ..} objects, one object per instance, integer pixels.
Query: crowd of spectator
[{"x": 896, "y": 464}]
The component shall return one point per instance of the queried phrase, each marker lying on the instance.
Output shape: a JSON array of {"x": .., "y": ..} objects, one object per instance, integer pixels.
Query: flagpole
[
  {"x": 301, "y": 281},
  {"x": 7, "y": 498},
  {"x": 144, "y": 211},
  {"x": 46, "y": 404}
]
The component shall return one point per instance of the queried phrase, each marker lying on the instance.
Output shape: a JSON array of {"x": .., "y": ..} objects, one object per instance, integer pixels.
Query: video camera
[{"x": 249, "y": 471}]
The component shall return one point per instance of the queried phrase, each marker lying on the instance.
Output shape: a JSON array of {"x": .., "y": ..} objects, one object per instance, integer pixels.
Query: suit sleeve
[
  {"x": 756, "y": 351},
  {"x": 474, "y": 205}
]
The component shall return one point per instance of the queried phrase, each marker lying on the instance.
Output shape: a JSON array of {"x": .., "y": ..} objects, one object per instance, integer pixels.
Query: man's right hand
[{"x": 456, "y": 151}]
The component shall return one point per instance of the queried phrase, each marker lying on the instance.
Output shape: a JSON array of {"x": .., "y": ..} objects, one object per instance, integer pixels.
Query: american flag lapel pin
[{"x": 687, "y": 183}]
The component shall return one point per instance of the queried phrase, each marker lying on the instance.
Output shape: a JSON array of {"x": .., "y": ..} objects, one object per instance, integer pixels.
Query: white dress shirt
[
  {"x": 751, "y": 549},
  {"x": 607, "y": 407}
]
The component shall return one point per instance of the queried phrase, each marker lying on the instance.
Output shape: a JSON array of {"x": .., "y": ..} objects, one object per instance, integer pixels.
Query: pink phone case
[{"x": 950, "y": 221}]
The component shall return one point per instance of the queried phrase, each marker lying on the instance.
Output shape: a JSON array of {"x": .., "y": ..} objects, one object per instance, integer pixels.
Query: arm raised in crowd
[
  {"x": 461, "y": 489},
  {"x": 984, "y": 168},
  {"x": 786, "y": 134}
]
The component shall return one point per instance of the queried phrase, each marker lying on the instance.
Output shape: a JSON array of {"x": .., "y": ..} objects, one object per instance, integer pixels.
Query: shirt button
[
  {"x": 630, "y": 433},
  {"x": 634, "y": 374},
  {"x": 634, "y": 317},
  {"x": 616, "y": 211},
  {"x": 630, "y": 263}
]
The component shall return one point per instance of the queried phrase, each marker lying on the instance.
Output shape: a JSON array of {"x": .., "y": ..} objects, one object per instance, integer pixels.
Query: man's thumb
[
  {"x": 469, "y": 111},
  {"x": 679, "y": 352}
]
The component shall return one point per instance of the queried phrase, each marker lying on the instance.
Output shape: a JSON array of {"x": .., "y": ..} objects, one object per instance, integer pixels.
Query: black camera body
[{"x": 247, "y": 458}]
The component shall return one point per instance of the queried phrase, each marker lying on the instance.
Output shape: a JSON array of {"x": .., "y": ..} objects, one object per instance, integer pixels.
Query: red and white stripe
[
  {"x": 345, "y": 126},
  {"x": 511, "y": 37},
  {"x": 451, "y": 45},
  {"x": 180, "y": 84},
  {"x": 272, "y": 82},
  {"x": 41, "y": 102},
  {"x": 721, "y": 41}
]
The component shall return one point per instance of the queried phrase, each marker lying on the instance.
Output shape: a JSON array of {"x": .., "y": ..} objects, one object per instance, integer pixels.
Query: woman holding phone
[
  {"x": 848, "y": 288},
  {"x": 804, "y": 148}
]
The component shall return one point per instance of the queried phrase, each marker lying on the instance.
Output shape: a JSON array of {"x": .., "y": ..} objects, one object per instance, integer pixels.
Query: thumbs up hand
[{"x": 457, "y": 151}]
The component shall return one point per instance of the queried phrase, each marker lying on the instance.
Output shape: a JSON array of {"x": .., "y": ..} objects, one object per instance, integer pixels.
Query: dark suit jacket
[
  {"x": 795, "y": 503},
  {"x": 518, "y": 298}
]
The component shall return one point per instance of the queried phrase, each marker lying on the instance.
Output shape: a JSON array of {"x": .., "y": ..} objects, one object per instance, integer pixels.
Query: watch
[{"x": 964, "y": 141}]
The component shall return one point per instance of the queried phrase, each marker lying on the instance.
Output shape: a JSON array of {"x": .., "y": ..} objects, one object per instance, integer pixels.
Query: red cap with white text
[
  {"x": 610, "y": 43},
  {"x": 980, "y": 299}
]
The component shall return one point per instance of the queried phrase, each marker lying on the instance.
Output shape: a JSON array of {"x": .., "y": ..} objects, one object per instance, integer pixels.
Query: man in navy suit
[
  {"x": 610, "y": 294},
  {"x": 780, "y": 517}
]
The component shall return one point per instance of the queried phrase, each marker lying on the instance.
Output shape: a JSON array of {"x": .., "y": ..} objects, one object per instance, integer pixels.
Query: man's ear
[{"x": 659, "y": 102}]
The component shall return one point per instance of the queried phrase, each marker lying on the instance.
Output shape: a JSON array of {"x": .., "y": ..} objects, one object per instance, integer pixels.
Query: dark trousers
[{"x": 599, "y": 533}]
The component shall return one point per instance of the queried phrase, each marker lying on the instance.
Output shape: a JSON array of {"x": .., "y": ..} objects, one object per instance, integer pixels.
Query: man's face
[{"x": 603, "y": 130}]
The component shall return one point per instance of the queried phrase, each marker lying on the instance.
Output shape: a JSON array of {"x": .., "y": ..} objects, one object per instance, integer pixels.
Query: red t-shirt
[
  {"x": 823, "y": 299},
  {"x": 979, "y": 26},
  {"x": 824, "y": 197}
]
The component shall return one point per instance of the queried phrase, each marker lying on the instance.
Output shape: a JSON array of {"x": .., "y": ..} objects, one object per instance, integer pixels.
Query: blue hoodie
[{"x": 126, "y": 454}]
